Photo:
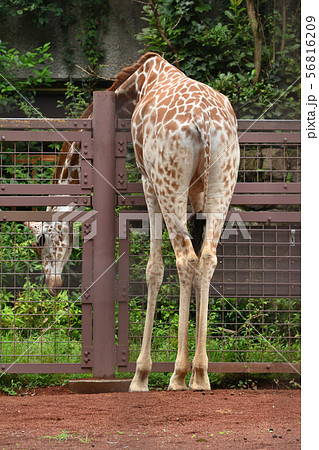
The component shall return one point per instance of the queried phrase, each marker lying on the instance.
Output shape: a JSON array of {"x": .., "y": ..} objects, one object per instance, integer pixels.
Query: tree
[
  {"x": 246, "y": 50},
  {"x": 256, "y": 30}
]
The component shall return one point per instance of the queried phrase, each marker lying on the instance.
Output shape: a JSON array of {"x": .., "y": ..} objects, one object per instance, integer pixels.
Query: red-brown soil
[{"x": 222, "y": 419}]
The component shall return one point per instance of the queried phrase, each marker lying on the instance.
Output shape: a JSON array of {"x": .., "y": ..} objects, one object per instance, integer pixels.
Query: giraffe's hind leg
[
  {"x": 154, "y": 277},
  {"x": 205, "y": 269},
  {"x": 221, "y": 182},
  {"x": 186, "y": 261}
]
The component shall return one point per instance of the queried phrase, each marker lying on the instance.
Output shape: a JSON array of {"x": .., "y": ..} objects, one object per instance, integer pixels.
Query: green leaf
[{"x": 230, "y": 15}]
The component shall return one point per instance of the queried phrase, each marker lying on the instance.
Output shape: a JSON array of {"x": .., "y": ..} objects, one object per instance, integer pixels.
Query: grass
[
  {"x": 57, "y": 346},
  {"x": 52, "y": 347},
  {"x": 12, "y": 384},
  {"x": 67, "y": 436}
]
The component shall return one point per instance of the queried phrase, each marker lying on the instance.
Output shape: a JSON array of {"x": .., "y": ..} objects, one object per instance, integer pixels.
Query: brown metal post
[{"x": 104, "y": 241}]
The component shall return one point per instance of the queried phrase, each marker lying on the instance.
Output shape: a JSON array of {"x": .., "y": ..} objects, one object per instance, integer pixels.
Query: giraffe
[
  {"x": 186, "y": 147},
  {"x": 54, "y": 240}
]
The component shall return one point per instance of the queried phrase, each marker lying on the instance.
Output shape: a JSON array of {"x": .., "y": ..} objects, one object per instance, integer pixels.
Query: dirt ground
[{"x": 221, "y": 419}]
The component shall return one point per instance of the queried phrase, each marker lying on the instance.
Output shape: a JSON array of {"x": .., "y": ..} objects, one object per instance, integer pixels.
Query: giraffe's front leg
[
  {"x": 154, "y": 276},
  {"x": 143, "y": 369}
]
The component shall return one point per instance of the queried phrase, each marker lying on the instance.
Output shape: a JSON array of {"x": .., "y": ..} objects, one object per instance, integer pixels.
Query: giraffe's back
[{"x": 175, "y": 123}]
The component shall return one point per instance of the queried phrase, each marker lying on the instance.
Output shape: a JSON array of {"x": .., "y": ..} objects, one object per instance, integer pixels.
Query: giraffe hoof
[
  {"x": 177, "y": 384},
  {"x": 199, "y": 387},
  {"x": 177, "y": 387},
  {"x": 199, "y": 381},
  {"x": 138, "y": 387}
]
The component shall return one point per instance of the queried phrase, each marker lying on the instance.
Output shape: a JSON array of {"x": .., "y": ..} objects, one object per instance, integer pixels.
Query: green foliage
[
  {"x": 89, "y": 17},
  {"x": 239, "y": 330},
  {"x": 76, "y": 99},
  {"x": 233, "y": 327},
  {"x": 34, "y": 325},
  {"x": 28, "y": 168},
  {"x": 66, "y": 436},
  {"x": 21, "y": 74},
  {"x": 93, "y": 15},
  {"x": 40, "y": 11},
  {"x": 17, "y": 258},
  {"x": 33, "y": 307},
  {"x": 214, "y": 44}
]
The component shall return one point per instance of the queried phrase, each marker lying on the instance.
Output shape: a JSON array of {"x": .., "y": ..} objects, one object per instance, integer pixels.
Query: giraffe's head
[{"x": 53, "y": 243}]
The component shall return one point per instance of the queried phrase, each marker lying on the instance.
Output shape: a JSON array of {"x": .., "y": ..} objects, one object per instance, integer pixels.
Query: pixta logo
[
  {"x": 77, "y": 216},
  {"x": 233, "y": 226}
]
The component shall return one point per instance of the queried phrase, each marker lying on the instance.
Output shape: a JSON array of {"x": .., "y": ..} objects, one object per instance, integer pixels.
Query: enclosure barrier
[
  {"x": 254, "y": 310},
  {"x": 96, "y": 322}
]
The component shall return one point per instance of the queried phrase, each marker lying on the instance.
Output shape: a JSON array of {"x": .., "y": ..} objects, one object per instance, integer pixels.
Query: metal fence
[
  {"x": 96, "y": 322},
  {"x": 254, "y": 311},
  {"x": 40, "y": 333}
]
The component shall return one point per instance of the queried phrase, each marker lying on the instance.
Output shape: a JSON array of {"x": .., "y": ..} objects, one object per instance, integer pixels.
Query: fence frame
[
  {"x": 252, "y": 193},
  {"x": 103, "y": 142}
]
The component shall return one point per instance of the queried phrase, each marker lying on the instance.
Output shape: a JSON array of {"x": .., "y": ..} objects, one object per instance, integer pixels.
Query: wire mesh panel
[
  {"x": 36, "y": 327},
  {"x": 40, "y": 154},
  {"x": 269, "y": 163},
  {"x": 46, "y": 165},
  {"x": 28, "y": 162},
  {"x": 254, "y": 310},
  {"x": 264, "y": 261},
  {"x": 41, "y": 169}
]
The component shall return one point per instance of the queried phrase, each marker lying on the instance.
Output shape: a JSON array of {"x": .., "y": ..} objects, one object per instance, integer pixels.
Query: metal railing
[
  {"x": 254, "y": 316},
  {"x": 254, "y": 322}
]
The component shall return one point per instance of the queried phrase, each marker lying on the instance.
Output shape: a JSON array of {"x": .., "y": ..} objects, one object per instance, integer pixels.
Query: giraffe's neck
[
  {"x": 67, "y": 170},
  {"x": 141, "y": 82}
]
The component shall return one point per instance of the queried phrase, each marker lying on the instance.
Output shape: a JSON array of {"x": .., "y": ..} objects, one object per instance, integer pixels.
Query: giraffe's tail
[
  {"x": 202, "y": 124},
  {"x": 198, "y": 225}
]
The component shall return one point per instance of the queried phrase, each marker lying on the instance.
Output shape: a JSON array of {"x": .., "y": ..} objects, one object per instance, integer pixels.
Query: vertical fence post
[{"x": 104, "y": 241}]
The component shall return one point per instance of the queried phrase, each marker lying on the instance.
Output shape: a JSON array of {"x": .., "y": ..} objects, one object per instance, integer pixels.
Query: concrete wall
[{"x": 121, "y": 47}]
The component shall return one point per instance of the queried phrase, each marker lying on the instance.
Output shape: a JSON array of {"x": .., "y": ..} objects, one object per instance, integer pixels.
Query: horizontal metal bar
[
  {"x": 8, "y": 201},
  {"x": 254, "y": 367},
  {"x": 267, "y": 216},
  {"x": 255, "y": 216},
  {"x": 134, "y": 188},
  {"x": 42, "y": 189},
  {"x": 123, "y": 124},
  {"x": 242, "y": 188},
  {"x": 44, "y": 368},
  {"x": 226, "y": 367},
  {"x": 56, "y": 124},
  {"x": 273, "y": 125},
  {"x": 257, "y": 283},
  {"x": 252, "y": 137},
  {"x": 242, "y": 124},
  {"x": 268, "y": 188},
  {"x": 239, "y": 199},
  {"x": 45, "y": 136},
  {"x": 266, "y": 199},
  {"x": 269, "y": 138},
  {"x": 24, "y": 216}
]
